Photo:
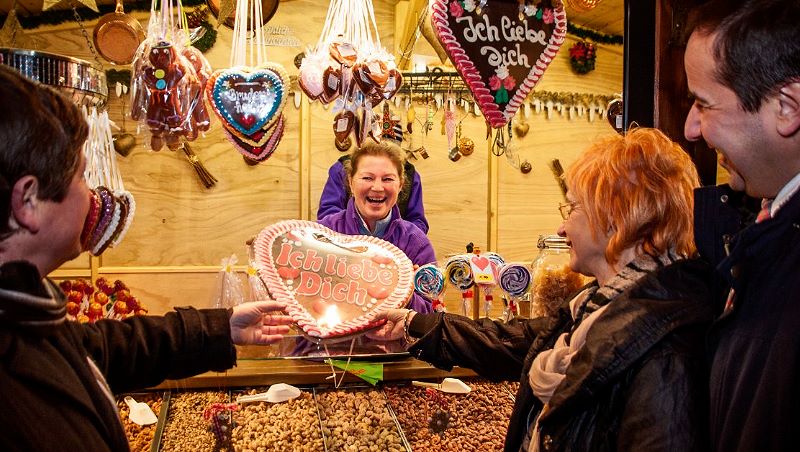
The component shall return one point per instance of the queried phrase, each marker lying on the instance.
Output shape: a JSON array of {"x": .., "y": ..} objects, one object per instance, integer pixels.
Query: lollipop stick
[
  {"x": 487, "y": 304},
  {"x": 513, "y": 307},
  {"x": 506, "y": 310},
  {"x": 466, "y": 296}
]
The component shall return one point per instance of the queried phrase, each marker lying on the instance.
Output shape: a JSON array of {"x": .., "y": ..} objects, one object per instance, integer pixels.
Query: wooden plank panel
[
  {"x": 179, "y": 223},
  {"x": 161, "y": 292}
]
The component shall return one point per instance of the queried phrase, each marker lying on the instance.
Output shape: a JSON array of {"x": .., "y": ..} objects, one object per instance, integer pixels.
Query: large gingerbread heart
[
  {"x": 333, "y": 284},
  {"x": 501, "y": 50},
  {"x": 248, "y": 100}
]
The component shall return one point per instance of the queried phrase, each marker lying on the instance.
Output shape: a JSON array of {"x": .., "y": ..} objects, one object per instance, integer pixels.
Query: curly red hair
[{"x": 640, "y": 187}]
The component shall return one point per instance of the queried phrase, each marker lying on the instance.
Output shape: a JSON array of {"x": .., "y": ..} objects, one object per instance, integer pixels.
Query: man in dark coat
[
  {"x": 57, "y": 377},
  {"x": 743, "y": 69}
]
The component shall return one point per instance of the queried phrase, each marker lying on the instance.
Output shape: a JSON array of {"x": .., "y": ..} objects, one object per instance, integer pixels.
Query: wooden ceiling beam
[{"x": 407, "y": 14}]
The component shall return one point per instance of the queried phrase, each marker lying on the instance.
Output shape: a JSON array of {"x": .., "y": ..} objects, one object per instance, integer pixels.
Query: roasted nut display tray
[{"x": 390, "y": 417}]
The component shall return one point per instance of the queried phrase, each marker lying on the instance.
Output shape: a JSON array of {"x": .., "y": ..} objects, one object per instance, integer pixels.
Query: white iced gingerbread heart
[{"x": 333, "y": 284}]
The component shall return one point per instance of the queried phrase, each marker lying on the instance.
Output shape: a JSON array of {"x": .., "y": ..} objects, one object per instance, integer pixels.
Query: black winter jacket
[
  {"x": 638, "y": 383},
  {"x": 755, "y": 365},
  {"x": 53, "y": 397}
]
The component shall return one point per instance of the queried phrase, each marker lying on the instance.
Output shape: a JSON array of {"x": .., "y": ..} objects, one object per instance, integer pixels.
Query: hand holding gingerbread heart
[{"x": 332, "y": 284}]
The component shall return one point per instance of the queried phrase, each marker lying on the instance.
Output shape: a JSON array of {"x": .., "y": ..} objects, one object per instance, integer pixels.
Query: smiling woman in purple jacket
[{"x": 375, "y": 176}]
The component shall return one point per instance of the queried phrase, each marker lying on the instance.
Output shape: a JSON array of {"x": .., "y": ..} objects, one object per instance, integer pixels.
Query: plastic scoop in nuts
[
  {"x": 450, "y": 385},
  {"x": 276, "y": 393},
  {"x": 140, "y": 412}
]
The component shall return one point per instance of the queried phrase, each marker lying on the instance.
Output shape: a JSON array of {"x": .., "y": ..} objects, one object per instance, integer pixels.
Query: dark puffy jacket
[
  {"x": 755, "y": 367},
  {"x": 55, "y": 374},
  {"x": 639, "y": 382}
]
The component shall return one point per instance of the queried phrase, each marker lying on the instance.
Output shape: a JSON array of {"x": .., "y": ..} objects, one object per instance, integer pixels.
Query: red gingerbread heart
[
  {"x": 500, "y": 52},
  {"x": 333, "y": 284}
]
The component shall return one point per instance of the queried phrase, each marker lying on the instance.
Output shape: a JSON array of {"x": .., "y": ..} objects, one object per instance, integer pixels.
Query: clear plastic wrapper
[
  {"x": 168, "y": 81},
  {"x": 229, "y": 291}
]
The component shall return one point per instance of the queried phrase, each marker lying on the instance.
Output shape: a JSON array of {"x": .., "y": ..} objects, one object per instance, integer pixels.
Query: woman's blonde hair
[
  {"x": 382, "y": 149},
  {"x": 640, "y": 187}
]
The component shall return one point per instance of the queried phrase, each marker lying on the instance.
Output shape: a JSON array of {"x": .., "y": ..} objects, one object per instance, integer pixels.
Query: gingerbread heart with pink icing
[
  {"x": 500, "y": 50},
  {"x": 333, "y": 284}
]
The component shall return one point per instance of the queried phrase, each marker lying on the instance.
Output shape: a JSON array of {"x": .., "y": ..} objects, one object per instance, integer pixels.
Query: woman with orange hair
[{"x": 620, "y": 366}]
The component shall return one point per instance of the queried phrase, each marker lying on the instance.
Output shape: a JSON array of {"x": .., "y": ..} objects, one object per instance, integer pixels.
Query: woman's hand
[
  {"x": 394, "y": 328},
  {"x": 255, "y": 323}
]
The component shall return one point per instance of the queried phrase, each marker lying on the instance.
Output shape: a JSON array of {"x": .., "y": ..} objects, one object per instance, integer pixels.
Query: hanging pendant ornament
[
  {"x": 500, "y": 67},
  {"x": 450, "y": 123},
  {"x": 521, "y": 127},
  {"x": 390, "y": 125}
]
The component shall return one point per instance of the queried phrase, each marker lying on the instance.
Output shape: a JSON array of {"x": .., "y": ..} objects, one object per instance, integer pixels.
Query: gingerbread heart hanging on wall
[
  {"x": 333, "y": 284},
  {"x": 501, "y": 48}
]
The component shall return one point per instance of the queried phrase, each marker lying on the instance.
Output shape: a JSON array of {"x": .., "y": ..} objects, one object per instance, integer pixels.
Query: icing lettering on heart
[
  {"x": 333, "y": 284},
  {"x": 500, "y": 56},
  {"x": 248, "y": 100}
]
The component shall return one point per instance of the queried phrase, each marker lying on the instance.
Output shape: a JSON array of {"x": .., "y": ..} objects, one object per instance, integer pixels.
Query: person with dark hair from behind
[
  {"x": 743, "y": 69},
  {"x": 336, "y": 193},
  {"x": 58, "y": 376},
  {"x": 621, "y": 366}
]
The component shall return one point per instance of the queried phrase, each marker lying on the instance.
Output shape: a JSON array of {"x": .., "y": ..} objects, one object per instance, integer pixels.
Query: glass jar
[{"x": 552, "y": 279}]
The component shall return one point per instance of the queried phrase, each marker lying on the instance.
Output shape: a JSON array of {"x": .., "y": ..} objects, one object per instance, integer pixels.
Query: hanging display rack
[
  {"x": 426, "y": 84},
  {"x": 84, "y": 83},
  {"x": 434, "y": 82}
]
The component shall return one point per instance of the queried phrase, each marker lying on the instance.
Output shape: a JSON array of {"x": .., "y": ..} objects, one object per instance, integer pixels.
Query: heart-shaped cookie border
[
  {"x": 491, "y": 111},
  {"x": 262, "y": 247},
  {"x": 261, "y": 152}
]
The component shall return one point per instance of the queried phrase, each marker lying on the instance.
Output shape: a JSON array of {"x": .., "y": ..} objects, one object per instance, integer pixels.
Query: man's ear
[
  {"x": 789, "y": 114},
  {"x": 25, "y": 203}
]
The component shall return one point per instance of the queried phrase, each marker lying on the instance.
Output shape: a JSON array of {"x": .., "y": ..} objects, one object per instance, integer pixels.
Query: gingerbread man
[
  {"x": 164, "y": 107},
  {"x": 200, "y": 120}
]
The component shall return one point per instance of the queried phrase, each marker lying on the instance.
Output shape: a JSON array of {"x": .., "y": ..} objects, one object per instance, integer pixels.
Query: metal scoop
[
  {"x": 450, "y": 385},
  {"x": 276, "y": 393},
  {"x": 140, "y": 412}
]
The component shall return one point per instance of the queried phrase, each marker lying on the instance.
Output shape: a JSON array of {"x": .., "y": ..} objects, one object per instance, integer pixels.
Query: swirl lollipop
[
  {"x": 459, "y": 274},
  {"x": 495, "y": 259},
  {"x": 429, "y": 282},
  {"x": 515, "y": 279}
]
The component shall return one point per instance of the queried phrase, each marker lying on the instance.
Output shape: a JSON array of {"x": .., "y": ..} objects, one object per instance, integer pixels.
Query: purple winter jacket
[
  {"x": 334, "y": 196},
  {"x": 400, "y": 233}
]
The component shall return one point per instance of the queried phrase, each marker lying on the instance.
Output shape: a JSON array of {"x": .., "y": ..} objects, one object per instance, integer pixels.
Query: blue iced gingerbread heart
[{"x": 249, "y": 100}]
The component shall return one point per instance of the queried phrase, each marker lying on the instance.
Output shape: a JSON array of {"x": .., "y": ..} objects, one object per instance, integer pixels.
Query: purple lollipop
[{"x": 515, "y": 279}]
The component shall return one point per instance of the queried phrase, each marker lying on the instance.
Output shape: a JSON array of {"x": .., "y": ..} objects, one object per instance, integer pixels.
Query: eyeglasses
[{"x": 566, "y": 208}]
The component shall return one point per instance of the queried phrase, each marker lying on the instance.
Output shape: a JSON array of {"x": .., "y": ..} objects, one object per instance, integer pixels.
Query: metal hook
[{"x": 499, "y": 144}]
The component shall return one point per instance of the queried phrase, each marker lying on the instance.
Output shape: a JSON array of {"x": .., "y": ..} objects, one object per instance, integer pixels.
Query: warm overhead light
[{"x": 582, "y": 5}]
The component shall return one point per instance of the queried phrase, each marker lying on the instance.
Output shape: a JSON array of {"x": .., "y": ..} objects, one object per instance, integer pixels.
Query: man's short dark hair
[
  {"x": 757, "y": 47},
  {"x": 41, "y": 134}
]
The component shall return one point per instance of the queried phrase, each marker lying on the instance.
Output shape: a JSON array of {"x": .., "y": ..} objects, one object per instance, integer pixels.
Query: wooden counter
[{"x": 263, "y": 372}]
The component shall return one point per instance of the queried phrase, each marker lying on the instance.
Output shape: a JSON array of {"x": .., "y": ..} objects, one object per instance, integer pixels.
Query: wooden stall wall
[{"x": 172, "y": 253}]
